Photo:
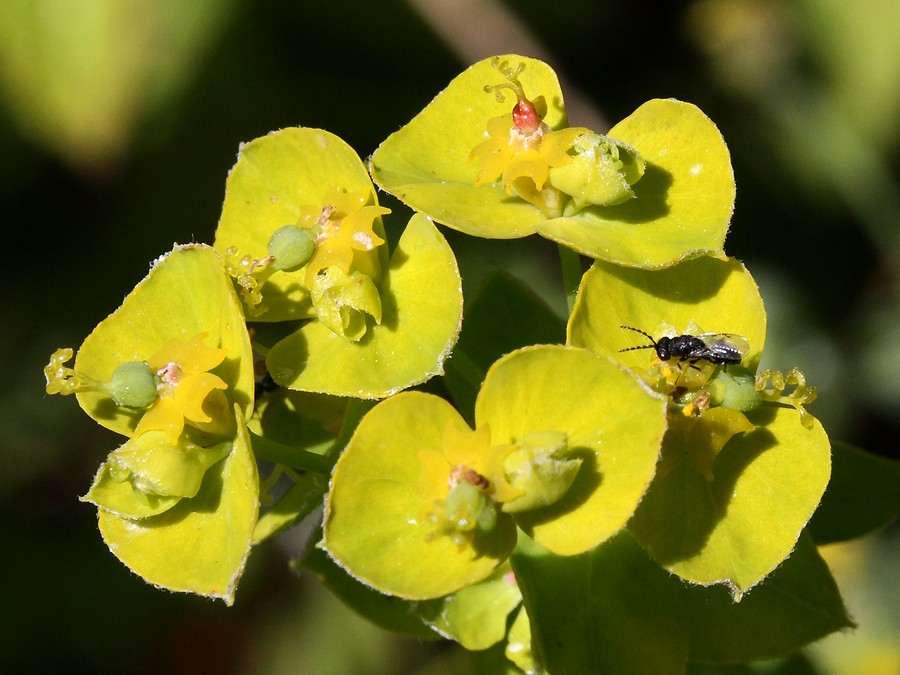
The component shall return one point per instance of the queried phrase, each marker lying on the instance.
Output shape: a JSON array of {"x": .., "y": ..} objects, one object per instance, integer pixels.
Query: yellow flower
[
  {"x": 187, "y": 390},
  {"x": 512, "y": 154},
  {"x": 521, "y": 150},
  {"x": 341, "y": 226},
  {"x": 465, "y": 456}
]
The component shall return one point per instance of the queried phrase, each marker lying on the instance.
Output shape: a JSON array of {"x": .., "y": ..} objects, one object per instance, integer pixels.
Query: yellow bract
[{"x": 700, "y": 439}]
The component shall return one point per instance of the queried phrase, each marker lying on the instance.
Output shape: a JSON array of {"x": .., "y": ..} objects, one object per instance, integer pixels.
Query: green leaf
[
  {"x": 475, "y": 616},
  {"x": 610, "y": 610},
  {"x": 298, "y": 419},
  {"x": 731, "y": 529},
  {"x": 274, "y": 176},
  {"x": 421, "y": 316},
  {"x": 301, "y": 499},
  {"x": 640, "y": 619},
  {"x": 426, "y": 164},
  {"x": 798, "y": 604},
  {"x": 862, "y": 496},
  {"x": 682, "y": 205},
  {"x": 562, "y": 389},
  {"x": 375, "y": 524},
  {"x": 739, "y": 526},
  {"x": 700, "y": 295},
  {"x": 201, "y": 544},
  {"x": 71, "y": 81},
  {"x": 388, "y": 612},
  {"x": 186, "y": 293}
]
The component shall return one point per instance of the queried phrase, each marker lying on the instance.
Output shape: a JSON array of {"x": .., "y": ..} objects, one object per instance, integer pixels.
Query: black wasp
[
  {"x": 264, "y": 384},
  {"x": 718, "y": 348}
]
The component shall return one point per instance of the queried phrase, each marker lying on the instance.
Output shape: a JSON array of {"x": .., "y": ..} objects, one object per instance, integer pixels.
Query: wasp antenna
[
  {"x": 652, "y": 344},
  {"x": 638, "y": 330},
  {"x": 629, "y": 349}
]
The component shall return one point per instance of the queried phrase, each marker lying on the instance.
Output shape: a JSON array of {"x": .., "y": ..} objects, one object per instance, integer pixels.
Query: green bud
[
  {"x": 133, "y": 385},
  {"x": 539, "y": 468},
  {"x": 291, "y": 247}
]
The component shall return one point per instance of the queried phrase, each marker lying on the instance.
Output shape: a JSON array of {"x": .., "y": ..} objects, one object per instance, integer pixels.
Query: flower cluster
[
  {"x": 646, "y": 447},
  {"x": 175, "y": 378},
  {"x": 549, "y": 168}
]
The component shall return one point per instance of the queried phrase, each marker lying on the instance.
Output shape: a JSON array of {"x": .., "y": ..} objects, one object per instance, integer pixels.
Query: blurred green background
[{"x": 119, "y": 121}]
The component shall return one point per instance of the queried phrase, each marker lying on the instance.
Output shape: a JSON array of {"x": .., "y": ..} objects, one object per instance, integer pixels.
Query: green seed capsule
[
  {"x": 734, "y": 390},
  {"x": 133, "y": 385},
  {"x": 291, "y": 247},
  {"x": 468, "y": 508}
]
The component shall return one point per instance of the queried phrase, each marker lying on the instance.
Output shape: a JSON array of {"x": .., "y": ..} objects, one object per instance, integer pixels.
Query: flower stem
[
  {"x": 356, "y": 409},
  {"x": 571, "y": 272},
  {"x": 296, "y": 458}
]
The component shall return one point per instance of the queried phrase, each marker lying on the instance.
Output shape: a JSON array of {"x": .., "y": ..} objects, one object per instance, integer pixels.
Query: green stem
[
  {"x": 571, "y": 272},
  {"x": 259, "y": 348},
  {"x": 297, "y": 458},
  {"x": 356, "y": 409}
]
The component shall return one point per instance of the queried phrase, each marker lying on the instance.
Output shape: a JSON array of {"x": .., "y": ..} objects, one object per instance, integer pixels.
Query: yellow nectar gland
[
  {"x": 188, "y": 392},
  {"x": 341, "y": 226}
]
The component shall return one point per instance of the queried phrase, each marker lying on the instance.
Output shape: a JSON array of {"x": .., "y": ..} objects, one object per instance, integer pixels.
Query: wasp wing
[{"x": 726, "y": 344}]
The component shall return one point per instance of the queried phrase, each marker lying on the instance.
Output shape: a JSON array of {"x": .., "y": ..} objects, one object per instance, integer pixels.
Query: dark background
[{"x": 120, "y": 122}]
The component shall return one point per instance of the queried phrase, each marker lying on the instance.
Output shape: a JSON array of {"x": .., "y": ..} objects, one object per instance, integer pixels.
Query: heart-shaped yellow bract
[
  {"x": 178, "y": 511},
  {"x": 201, "y": 544},
  {"x": 376, "y": 524},
  {"x": 186, "y": 294},
  {"x": 276, "y": 181},
  {"x": 551, "y": 387},
  {"x": 732, "y": 492},
  {"x": 421, "y": 299},
  {"x": 703, "y": 295},
  {"x": 427, "y": 163},
  {"x": 677, "y": 199},
  {"x": 738, "y": 527},
  {"x": 682, "y": 204},
  {"x": 382, "y": 528}
]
